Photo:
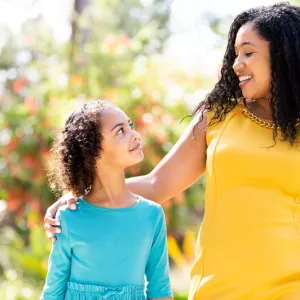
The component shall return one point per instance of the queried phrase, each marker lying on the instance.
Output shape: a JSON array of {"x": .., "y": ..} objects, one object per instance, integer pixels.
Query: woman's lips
[{"x": 244, "y": 82}]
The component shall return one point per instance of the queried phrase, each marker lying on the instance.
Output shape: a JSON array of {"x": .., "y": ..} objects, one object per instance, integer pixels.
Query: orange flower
[
  {"x": 110, "y": 94},
  {"x": 124, "y": 40},
  {"x": 33, "y": 222},
  {"x": 31, "y": 105},
  {"x": 18, "y": 84},
  {"x": 113, "y": 44},
  {"x": 30, "y": 161},
  {"x": 13, "y": 200},
  {"x": 77, "y": 79},
  {"x": 12, "y": 145},
  {"x": 35, "y": 205}
]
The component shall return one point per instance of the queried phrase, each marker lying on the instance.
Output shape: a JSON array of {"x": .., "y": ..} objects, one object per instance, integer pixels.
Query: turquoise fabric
[
  {"x": 106, "y": 253},
  {"x": 77, "y": 291}
]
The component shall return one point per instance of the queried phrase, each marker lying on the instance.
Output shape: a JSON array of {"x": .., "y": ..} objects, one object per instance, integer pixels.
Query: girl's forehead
[
  {"x": 112, "y": 115},
  {"x": 113, "y": 111}
]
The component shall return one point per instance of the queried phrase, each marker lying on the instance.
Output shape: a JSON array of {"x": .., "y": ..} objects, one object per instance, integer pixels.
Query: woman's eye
[
  {"x": 248, "y": 54},
  {"x": 131, "y": 125}
]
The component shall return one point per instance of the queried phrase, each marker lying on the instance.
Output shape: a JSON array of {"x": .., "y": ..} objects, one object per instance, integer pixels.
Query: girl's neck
[{"x": 109, "y": 190}]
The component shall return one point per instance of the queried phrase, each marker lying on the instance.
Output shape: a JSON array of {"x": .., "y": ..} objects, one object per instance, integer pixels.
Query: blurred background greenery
[{"x": 115, "y": 50}]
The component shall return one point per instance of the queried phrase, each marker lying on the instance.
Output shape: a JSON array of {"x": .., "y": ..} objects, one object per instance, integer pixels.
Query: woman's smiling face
[{"x": 252, "y": 64}]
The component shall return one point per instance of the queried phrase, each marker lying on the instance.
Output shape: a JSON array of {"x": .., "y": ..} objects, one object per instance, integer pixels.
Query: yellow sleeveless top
[{"x": 248, "y": 246}]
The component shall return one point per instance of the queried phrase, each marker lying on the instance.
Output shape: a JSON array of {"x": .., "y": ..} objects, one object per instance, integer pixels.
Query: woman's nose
[{"x": 238, "y": 65}]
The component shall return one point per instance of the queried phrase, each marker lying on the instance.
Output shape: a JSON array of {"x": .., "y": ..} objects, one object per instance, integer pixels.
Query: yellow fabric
[{"x": 248, "y": 246}]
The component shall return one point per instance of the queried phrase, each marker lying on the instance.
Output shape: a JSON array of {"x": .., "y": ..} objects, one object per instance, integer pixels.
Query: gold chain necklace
[{"x": 260, "y": 121}]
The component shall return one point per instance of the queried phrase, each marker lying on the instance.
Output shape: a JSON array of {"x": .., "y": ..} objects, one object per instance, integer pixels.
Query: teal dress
[{"x": 106, "y": 253}]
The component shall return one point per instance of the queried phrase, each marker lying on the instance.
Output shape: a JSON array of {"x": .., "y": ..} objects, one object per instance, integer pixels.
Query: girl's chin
[{"x": 135, "y": 161}]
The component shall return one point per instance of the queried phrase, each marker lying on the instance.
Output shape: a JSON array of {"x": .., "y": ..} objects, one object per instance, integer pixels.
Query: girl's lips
[{"x": 137, "y": 147}]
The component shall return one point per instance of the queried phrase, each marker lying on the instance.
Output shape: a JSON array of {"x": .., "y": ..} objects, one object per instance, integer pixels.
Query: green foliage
[{"x": 180, "y": 297}]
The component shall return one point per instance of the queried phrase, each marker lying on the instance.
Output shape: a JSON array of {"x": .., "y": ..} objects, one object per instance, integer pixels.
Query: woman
[{"x": 249, "y": 243}]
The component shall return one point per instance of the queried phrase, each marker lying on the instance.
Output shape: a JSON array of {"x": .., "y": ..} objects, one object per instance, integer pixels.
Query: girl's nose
[{"x": 135, "y": 135}]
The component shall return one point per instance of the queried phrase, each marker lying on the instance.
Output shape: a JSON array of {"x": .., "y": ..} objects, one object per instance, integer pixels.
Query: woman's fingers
[
  {"x": 51, "y": 237},
  {"x": 71, "y": 203},
  {"x": 50, "y": 221},
  {"x": 51, "y": 229}
]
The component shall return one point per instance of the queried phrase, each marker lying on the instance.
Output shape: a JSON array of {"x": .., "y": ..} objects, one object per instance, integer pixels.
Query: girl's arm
[
  {"x": 157, "y": 268},
  {"x": 59, "y": 265},
  {"x": 179, "y": 169}
]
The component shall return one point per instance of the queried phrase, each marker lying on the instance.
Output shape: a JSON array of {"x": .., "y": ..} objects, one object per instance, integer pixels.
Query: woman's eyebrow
[{"x": 244, "y": 44}]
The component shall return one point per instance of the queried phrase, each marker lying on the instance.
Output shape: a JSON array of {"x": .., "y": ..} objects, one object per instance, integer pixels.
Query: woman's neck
[
  {"x": 260, "y": 108},
  {"x": 109, "y": 190}
]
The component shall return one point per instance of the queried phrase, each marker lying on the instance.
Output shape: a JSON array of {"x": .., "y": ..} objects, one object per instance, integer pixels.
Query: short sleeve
[
  {"x": 157, "y": 269},
  {"x": 59, "y": 265}
]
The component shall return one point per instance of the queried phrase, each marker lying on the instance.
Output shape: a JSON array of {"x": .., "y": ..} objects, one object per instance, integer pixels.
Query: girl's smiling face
[
  {"x": 252, "y": 64},
  {"x": 121, "y": 144}
]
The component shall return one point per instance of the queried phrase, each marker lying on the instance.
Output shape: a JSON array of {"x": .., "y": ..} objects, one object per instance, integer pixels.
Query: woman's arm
[{"x": 179, "y": 169}]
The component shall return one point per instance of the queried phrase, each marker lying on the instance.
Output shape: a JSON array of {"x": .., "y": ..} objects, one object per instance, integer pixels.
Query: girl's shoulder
[
  {"x": 150, "y": 206},
  {"x": 65, "y": 213}
]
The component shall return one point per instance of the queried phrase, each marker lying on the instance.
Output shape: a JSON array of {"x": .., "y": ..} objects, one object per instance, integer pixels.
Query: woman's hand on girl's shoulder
[{"x": 51, "y": 225}]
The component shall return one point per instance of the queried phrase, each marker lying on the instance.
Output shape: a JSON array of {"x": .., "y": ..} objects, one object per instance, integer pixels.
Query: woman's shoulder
[
  {"x": 237, "y": 108},
  {"x": 215, "y": 126}
]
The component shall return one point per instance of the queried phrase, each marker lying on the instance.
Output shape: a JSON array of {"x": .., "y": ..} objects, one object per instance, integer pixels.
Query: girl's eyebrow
[{"x": 120, "y": 124}]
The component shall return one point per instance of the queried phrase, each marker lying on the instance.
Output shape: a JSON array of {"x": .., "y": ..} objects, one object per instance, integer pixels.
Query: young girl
[{"x": 115, "y": 238}]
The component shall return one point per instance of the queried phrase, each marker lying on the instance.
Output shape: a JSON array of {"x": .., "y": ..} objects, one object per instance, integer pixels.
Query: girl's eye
[
  {"x": 131, "y": 125},
  {"x": 248, "y": 54},
  {"x": 121, "y": 130}
]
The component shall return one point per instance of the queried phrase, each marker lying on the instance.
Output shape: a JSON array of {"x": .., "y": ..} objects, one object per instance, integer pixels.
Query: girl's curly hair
[
  {"x": 280, "y": 25},
  {"x": 76, "y": 148}
]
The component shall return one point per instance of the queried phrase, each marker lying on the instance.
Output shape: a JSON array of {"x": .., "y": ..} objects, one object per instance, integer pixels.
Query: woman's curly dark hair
[
  {"x": 280, "y": 25},
  {"x": 76, "y": 149}
]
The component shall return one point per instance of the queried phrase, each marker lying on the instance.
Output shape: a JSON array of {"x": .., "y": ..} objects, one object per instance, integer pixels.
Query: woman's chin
[{"x": 247, "y": 95}]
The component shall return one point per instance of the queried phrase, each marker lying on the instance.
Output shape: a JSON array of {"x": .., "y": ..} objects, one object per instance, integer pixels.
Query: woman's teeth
[{"x": 243, "y": 78}]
